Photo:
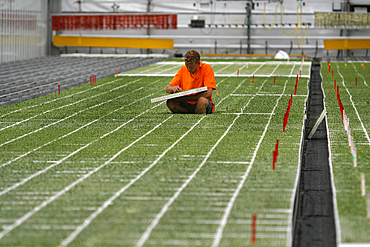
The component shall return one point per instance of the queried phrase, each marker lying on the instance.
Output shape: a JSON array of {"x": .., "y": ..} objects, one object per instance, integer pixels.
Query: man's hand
[
  {"x": 173, "y": 89},
  {"x": 176, "y": 89}
]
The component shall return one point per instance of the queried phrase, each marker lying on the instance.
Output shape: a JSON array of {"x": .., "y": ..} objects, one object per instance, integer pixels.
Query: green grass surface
[
  {"x": 237, "y": 59},
  {"x": 109, "y": 161},
  {"x": 230, "y": 69},
  {"x": 354, "y": 225}
]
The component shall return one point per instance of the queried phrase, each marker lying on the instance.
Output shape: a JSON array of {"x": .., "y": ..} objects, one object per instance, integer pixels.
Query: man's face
[{"x": 192, "y": 67}]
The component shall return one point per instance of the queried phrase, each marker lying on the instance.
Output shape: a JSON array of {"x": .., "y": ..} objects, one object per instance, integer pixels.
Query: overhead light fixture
[{"x": 115, "y": 7}]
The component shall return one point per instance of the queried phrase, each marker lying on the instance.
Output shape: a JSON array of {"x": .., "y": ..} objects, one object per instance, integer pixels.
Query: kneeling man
[{"x": 194, "y": 74}]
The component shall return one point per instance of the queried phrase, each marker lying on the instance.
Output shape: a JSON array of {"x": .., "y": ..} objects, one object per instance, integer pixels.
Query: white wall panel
[
  {"x": 228, "y": 39},
  {"x": 23, "y": 29}
]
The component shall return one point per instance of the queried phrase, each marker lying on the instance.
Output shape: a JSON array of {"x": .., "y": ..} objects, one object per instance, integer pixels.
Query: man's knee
[
  {"x": 171, "y": 104},
  {"x": 203, "y": 102}
]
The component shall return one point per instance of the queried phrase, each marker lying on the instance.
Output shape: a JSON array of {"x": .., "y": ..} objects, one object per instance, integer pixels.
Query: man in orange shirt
[{"x": 194, "y": 74}]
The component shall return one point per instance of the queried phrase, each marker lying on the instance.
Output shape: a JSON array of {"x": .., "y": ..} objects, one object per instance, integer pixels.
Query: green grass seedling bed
[
  {"x": 109, "y": 168},
  {"x": 351, "y": 206}
]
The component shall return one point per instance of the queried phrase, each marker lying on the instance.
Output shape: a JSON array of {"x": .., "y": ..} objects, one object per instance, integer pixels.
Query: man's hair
[{"x": 192, "y": 57}]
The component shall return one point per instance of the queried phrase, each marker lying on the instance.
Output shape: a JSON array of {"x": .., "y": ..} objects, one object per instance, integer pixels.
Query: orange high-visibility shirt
[{"x": 203, "y": 77}]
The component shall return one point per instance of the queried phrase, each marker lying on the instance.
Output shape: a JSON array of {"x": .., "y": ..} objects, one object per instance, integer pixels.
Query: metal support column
[
  {"x": 148, "y": 29},
  {"x": 249, "y": 13}
]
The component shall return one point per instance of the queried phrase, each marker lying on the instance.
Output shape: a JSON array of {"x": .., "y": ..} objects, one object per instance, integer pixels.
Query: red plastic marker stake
[
  {"x": 285, "y": 121},
  {"x": 274, "y": 79},
  {"x": 237, "y": 73},
  {"x": 254, "y": 225},
  {"x": 117, "y": 73},
  {"x": 253, "y": 79},
  {"x": 356, "y": 82},
  {"x": 295, "y": 90},
  {"x": 296, "y": 85},
  {"x": 275, "y": 153},
  {"x": 59, "y": 89}
]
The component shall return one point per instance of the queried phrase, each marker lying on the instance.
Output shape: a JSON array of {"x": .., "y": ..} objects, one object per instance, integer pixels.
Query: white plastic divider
[
  {"x": 267, "y": 94},
  {"x": 354, "y": 107},
  {"x": 64, "y": 97},
  {"x": 59, "y": 138},
  {"x": 294, "y": 198},
  {"x": 16, "y": 185},
  {"x": 334, "y": 191},
  {"x": 219, "y": 233},
  {"x": 66, "y": 105},
  {"x": 36, "y": 209},
  {"x": 354, "y": 245},
  {"x": 114, "y": 55},
  {"x": 166, "y": 207},
  {"x": 179, "y": 94},
  {"x": 223, "y": 68},
  {"x": 216, "y": 75},
  {"x": 241, "y": 62},
  {"x": 360, "y": 74},
  {"x": 61, "y": 120},
  {"x": 277, "y": 66},
  {"x": 317, "y": 123},
  {"x": 88, "y": 220}
]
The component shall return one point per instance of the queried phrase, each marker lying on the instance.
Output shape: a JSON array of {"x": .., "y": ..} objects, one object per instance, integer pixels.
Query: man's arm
[{"x": 173, "y": 89}]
